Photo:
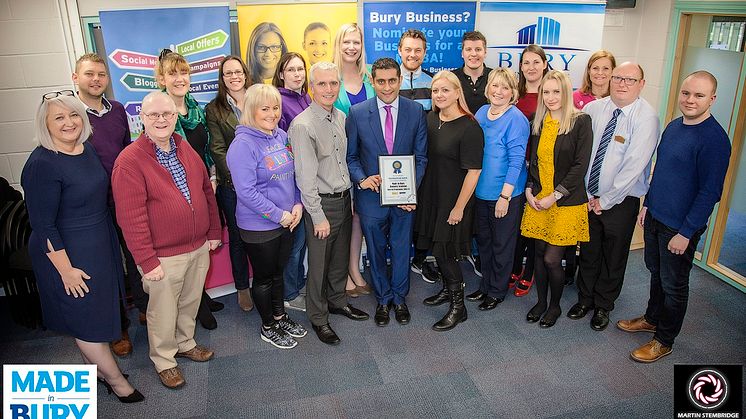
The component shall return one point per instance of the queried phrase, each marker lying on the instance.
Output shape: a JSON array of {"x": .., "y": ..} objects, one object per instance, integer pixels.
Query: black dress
[
  {"x": 66, "y": 197},
  {"x": 453, "y": 148}
]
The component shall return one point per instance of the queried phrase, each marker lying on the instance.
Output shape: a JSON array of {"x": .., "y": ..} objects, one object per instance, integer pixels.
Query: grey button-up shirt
[{"x": 320, "y": 147}]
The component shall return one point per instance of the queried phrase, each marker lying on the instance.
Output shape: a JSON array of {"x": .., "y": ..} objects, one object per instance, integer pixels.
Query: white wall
[{"x": 33, "y": 61}]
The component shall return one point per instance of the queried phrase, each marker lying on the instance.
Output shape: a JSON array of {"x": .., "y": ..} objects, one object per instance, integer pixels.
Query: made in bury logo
[
  {"x": 49, "y": 391},
  {"x": 708, "y": 391}
]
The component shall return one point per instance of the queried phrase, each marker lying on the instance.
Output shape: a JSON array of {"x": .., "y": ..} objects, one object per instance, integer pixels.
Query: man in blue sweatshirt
[{"x": 688, "y": 180}]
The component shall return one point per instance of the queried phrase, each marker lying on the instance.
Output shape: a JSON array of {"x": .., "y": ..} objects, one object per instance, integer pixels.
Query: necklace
[
  {"x": 500, "y": 112},
  {"x": 440, "y": 123}
]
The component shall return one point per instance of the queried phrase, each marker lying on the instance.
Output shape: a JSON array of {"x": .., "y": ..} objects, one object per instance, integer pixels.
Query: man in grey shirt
[{"x": 319, "y": 143}]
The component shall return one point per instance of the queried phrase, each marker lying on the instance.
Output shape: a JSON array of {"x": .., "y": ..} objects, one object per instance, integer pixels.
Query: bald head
[
  {"x": 706, "y": 76},
  {"x": 696, "y": 97},
  {"x": 157, "y": 96},
  {"x": 627, "y": 81},
  {"x": 158, "y": 115}
]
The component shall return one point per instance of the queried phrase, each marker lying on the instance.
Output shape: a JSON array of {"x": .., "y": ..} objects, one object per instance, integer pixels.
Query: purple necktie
[{"x": 388, "y": 133}]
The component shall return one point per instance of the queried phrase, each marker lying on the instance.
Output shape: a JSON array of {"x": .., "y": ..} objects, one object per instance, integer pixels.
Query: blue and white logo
[
  {"x": 547, "y": 29},
  {"x": 49, "y": 391}
]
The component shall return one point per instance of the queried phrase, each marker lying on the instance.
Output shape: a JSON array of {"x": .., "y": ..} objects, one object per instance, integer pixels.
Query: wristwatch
[
  {"x": 558, "y": 195},
  {"x": 505, "y": 197}
]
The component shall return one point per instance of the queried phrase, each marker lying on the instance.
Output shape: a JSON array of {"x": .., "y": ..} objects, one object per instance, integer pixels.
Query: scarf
[{"x": 195, "y": 115}]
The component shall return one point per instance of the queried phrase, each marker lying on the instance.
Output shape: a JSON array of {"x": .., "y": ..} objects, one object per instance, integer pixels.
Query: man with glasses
[
  {"x": 319, "y": 143},
  {"x": 111, "y": 135},
  {"x": 170, "y": 221},
  {"x": 625, "y": 133}
]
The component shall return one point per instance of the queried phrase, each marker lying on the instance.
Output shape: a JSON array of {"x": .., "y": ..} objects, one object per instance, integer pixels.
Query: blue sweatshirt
[
  {"x": 263, "y": 174},
  {"x": 688, "y": 175},
  {"x": 504, "y": 161}
]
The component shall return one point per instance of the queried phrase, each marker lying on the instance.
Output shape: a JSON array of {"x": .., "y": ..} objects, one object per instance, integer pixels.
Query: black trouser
[
  {"x": 603, "y": 260},
  {"x": 496, "y": 238},
  {"x": 268, "y": 261},
  {"x": 524, "y": 247},
  {"x": 328, "y": 260},
  {"x": 132, "y": 277}
]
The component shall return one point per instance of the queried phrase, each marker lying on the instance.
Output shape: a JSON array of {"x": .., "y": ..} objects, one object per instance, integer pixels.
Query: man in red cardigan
[{"x": 169, "y": 217}]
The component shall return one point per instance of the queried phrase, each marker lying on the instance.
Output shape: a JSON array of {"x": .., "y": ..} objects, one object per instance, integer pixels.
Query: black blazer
[
  {"x": 222, "y": 126},
  {"x": 572, "y": 155}
]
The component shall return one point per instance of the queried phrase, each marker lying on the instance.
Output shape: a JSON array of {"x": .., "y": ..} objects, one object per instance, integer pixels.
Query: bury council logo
[{"x": 708, "y": 389}]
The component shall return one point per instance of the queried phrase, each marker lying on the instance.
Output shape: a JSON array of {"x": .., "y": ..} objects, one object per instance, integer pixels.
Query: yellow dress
[{"x": 560, "y": 226}]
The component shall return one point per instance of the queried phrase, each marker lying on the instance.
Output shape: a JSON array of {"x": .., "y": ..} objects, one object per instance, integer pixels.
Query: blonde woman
[{"x": 557, "y": 212}]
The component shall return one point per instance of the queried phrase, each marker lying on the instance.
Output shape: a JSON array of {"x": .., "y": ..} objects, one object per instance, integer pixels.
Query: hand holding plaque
[{"x": 398, "y": 180}]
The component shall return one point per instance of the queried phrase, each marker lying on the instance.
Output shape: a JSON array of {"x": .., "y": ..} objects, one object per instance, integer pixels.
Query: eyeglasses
[
  {"x": 154, "y": 116},
  {"x": 263, "y": 48},
  {"x": 52, "y": 95},
  {"x": 628, "y": 81},
  {"x": 229, "y": 74}
]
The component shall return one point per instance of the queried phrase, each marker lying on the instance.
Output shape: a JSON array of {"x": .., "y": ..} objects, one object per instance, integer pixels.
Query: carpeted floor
[{"x": 495, "y": 365}]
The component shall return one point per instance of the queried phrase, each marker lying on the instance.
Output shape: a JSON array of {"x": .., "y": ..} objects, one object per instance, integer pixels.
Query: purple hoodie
[
  {"x": 263, "y": 175},
  {"x": 292, "y": 105}
]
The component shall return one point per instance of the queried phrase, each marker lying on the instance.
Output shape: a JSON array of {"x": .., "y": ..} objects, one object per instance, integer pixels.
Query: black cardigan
[{"x": 572, "y": 155}]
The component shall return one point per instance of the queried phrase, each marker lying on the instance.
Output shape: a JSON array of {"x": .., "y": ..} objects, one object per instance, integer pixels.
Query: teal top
[{"x": 343, "y": 101}]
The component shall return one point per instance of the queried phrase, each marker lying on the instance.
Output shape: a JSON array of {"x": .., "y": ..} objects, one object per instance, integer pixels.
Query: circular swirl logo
[{"x": 708, "y": 389}]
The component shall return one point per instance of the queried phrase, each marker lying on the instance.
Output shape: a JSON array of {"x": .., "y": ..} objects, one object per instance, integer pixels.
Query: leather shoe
[
  {"x": 123, "y": 346},
  {"x": 401, "y": 313},
  {"x": 600, "y": 319},
  {"x": 326, "y": 334},
  {"x": 636, "y": 325},
  {"x": 578, "y": 311},
  {"x": 550, "y": 318},
  {"x": 489, "y": 303},
  {"x": 198, "y": 354},
  {"x": 382, "y": 315},
  {"x": 476, "y": 296},
  {"x": 650, "y": 352},
  {"x": 172, "y": 378},
  {"x": 350, "y": 312}
]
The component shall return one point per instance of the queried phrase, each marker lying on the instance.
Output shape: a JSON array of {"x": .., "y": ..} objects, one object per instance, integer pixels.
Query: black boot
[
  {"x": 457, "y": 310},
  {"x": 204, "y": 315},
  {"x": 437, "y": 299}
]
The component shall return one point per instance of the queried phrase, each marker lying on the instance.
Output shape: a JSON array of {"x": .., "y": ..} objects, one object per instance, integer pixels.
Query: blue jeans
[
  {"x": 294, "y": 273},
  {"x": 669, "y": 279},
  {"x": 227, "y": 199}
]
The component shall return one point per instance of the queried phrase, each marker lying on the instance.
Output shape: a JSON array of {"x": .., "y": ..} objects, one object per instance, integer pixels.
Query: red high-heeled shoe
[{"x": 522, "y": 287}]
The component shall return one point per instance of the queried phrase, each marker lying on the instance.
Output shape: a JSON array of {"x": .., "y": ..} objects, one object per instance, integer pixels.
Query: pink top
[{"x": 581, "y": 99}]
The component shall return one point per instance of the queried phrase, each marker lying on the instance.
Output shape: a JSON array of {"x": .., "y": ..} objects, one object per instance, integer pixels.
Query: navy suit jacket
[{"x": 365, "y": 143}]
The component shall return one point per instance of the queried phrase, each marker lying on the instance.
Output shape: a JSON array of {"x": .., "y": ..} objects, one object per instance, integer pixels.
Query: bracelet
[{"x": 507, "y": 198}]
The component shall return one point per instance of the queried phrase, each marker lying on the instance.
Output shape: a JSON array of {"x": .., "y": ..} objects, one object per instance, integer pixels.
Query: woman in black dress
[
  {"x": 445, "y": 210},
  {"x": 73, "y": 246}
]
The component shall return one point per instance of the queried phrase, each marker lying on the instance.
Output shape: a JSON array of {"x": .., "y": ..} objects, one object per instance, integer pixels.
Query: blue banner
[
  {"x": 134, "y": 38},
  {"x": 443, "y": 23}
]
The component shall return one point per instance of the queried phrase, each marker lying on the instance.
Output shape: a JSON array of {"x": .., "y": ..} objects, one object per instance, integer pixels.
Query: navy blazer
[{"x": 365, "y": 143}]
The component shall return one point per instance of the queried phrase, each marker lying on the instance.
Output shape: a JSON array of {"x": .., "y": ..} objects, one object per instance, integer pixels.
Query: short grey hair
[
  {"x": 153, "y": 95},
  {"x": 322, "y": 65},
  {"x": 71, "y": 103}
]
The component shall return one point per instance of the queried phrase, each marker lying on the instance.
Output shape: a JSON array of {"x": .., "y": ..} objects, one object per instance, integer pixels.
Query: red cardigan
[{"x": 155, "y": 218}]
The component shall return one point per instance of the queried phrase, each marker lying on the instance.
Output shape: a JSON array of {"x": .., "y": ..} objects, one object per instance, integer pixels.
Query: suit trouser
[
  {"x": 395, "y": 230},
  {"x": 328, "y": 260},
  {"x": 603, "y": 260},
  {"x": 173, "y": 304}
]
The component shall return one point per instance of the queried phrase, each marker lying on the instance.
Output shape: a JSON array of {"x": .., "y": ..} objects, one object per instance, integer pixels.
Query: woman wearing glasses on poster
[
  {"x": 266, "y": 46},
  {"x": 73, "y": 246}
]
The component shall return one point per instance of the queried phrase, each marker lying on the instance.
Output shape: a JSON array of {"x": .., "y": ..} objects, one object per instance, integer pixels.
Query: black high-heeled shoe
[{"x": 135, "y": 397}]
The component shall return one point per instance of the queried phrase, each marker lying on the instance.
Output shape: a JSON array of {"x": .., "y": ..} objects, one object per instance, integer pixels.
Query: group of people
[{"x": 518, "y": 165}]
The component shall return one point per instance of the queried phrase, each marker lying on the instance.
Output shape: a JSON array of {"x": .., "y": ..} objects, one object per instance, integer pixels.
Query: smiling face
[
  {"x": 64, "y": 125},
  {"x": 412, "y": 52},
  {"x": 532, "y": 66},
  {"x": 551, "y": 94},
  {"x": 177, "y": 82},
  {"x": 695, "y": 99},
  {"x": 161, "y": 128},
  {"x": 600, "y": 72},
  {"x": 271, "y": 44},
  {"x": 473, "y": 53},
  {"x": 444, "y": 94},
  {"x": 316, "y": 44},
  {"x": 499, "y": 94},
  {"x": 622, "y": 94},
  {"x": 386, "y": 83},
  {"x": 266, "y": 116},
  {"x": 91, "y": 78},
  {"x": 234, "y": 76},
  {"x": 325, "y": 88},
  {"x": 294, "y": 74},
  {"x": 352, "y": 47}
]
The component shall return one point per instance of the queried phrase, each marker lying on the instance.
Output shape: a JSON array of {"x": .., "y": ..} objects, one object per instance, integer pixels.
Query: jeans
[
  {"x": 669, "y": 279},
  {"x": 227, "y": 199},
  {"x": 295, "y": 273}
]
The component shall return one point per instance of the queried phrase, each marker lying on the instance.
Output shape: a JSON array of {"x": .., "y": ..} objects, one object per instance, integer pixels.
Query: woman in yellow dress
[{"x": 557, "y": 213}]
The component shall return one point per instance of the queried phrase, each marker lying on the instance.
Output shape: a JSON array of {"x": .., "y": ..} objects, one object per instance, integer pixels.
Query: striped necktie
[{"x": 598, "y": 161}]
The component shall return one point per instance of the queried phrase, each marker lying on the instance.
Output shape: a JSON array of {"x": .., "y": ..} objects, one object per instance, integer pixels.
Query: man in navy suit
[{"x": 384, "y": 125}]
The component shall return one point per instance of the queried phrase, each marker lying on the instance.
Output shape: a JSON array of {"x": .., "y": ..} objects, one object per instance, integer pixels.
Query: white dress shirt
[
  {"x": 382, "y": 114},
  {"x": 626, "y": 166}
]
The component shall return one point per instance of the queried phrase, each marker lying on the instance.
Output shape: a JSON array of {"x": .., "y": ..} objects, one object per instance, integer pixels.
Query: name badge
[{"x": 619, "y": 139}]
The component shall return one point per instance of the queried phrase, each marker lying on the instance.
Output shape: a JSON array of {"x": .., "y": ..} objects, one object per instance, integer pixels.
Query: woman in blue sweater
[
  {"x": 500, "y": 188},
  {"x": 268, "y": 207}
]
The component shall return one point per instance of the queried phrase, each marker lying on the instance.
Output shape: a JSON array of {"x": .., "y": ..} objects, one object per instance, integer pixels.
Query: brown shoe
[
  {"x": 123, "y": 346},
  {"x": 636, "y": 325},
  {"x": 244, "y": 299},
  {"x": 172, "y": 378},
  {"x": 198, "y": 354},
  {"x": 650, "y": 352},
  {"x": 354, "y": 292},
  {"x": 363, "y": 289},
  {"x": 143, "y": 319}
]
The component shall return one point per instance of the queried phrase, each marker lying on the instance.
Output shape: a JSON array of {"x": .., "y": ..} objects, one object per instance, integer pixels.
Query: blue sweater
[
  {"x": 689, "y": 174},
  {"x": 504, "y": 161}
]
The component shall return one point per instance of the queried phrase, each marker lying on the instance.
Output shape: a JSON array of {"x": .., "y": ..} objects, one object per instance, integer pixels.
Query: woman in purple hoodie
[{"x": 268, "y": 207}]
